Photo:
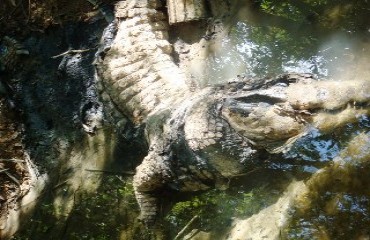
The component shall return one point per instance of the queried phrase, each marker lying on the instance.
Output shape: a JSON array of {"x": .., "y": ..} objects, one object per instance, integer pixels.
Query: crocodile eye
[{"x": 3, "y": 50}]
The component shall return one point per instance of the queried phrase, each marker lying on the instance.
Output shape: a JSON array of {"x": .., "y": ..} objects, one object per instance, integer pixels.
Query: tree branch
[
  {"x": 186, "y": 227},
  {"x": 71, "y": 51}
]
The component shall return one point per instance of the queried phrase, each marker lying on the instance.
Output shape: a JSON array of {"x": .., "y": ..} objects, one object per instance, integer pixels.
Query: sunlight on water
[
  {"x": 260, "y": 51},
  {"x": 255, "y": 49}
]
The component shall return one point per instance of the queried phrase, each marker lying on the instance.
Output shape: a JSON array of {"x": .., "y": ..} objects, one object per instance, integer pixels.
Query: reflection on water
[
  {"x": 216, "y": 209},
  {"x": 336, "y": 47},
  {"x": 255, "y": 50},
  {"x": 336, "y": 215},
  {"x": 337, "y": 205}
]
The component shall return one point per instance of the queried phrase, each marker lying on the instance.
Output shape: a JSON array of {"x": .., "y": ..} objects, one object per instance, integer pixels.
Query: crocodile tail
[{"x": 149, "y": 207}]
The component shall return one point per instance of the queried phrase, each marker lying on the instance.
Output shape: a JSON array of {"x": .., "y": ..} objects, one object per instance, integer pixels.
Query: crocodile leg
[
  {"x": 150, "y": 177},
  {"x": 140, "y": 76}
]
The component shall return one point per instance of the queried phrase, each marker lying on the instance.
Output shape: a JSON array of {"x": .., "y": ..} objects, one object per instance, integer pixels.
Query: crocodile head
[
  {"x": 251, "y": 121},
  {"x": 225, "y": 131},
  {"x": 274, "y": 116}
]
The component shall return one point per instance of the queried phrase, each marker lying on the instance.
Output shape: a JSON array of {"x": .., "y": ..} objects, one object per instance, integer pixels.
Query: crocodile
[{"x": 199, "y": 139}]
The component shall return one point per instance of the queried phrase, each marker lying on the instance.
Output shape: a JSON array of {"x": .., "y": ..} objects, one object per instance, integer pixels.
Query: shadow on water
[{"x": 87, "y": 194}]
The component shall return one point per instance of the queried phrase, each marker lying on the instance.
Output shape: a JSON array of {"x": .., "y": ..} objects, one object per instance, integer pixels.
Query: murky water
[
  {"x": 331, "y": 49},
  {"x": 257, "y": 45}
]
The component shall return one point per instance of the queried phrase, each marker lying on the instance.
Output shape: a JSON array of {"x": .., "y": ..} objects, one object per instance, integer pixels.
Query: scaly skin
[
  {"x": 199, "y": 140},
  {"x": 10, "y": 50},
  {"x": 138, "y": 69}
]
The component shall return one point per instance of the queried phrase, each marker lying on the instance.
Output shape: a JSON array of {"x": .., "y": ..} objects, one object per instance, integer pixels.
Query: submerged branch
[
  {"x": 4, "y": 170},
  {"x": 245, "y": 174},
  {"x": 60, "y": 184},
  {"x": 186, "y": 227},
  {"x": 12, "y": 177}
]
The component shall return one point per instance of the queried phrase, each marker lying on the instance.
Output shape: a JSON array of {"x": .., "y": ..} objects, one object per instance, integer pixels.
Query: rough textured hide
[
  {"x": 200, "y": 139},
  {"x": 138, "y": 70}
]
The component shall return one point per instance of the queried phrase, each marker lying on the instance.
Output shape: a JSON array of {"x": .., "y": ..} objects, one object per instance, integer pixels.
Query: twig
[
  {"x": 11, "y": 160},
  {"x": 12, "y": 178},
  {"x": 60, "y": 184},
  {"x": 186, "y": 227},
  {"x": 110, "y": 172},
  {"x": 70, "y": 52},
  {"x": 4, "y": 170},
  {"x": 120, "y": 179},
  {"x": 247, "y": 173}
]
